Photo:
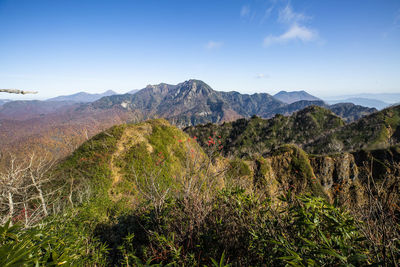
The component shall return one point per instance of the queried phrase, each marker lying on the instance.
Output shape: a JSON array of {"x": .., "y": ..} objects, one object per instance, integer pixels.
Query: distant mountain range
[
  {"x": 366, "y": 102},
  {"x": 188, "y": 103},
  {"x": 378, "y": 101},
  {"x": 82, "y": 97},
  {"x": 193, "y": 102},
  {"x": 294, "y": 96},
  {"x": 390, "y": 98}
]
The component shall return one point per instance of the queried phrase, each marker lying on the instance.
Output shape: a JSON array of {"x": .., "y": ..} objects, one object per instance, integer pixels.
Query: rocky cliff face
[
  {"x": 336, "y": 169},
  {"x": 339, "y": 177},
  {"x": 287, "y": 168},
  {"x": 334, "y": 177}
]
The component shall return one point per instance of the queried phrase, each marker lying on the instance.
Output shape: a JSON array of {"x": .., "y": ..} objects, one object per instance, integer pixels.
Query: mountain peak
[
  {"x": 294, "y": 96},
  {"x": 82, "y": 97},
  {"x": 109, "y": 92},
  {"x": 194, "y": 82},
  {"x": 195, "y": 87}
]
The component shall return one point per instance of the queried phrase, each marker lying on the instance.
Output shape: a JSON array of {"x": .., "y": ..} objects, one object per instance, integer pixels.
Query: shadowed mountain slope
[{"x": 351, "y": 112}]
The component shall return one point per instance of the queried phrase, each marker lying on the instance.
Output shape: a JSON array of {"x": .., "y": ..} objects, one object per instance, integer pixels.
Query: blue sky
[{"x": 325, "y": 47}]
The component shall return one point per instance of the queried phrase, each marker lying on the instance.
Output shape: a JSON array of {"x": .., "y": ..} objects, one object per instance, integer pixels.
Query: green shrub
[
  {"x": 63, "y": 240},
  {"x": 310, "y": 232}
]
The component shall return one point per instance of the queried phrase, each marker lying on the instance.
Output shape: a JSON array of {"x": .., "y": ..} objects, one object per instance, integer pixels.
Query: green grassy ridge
[
  {"x": 168, "y": 158},
  {"x": 90, "y": 166},
  {"x": 90, "y": 163}
]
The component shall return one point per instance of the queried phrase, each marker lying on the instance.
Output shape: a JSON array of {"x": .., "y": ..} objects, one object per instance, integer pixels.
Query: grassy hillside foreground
[{"x": 148, "y": 194}]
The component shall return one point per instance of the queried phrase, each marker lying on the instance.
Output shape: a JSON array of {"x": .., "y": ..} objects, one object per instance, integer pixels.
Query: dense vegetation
[
  {"x": 149, "y": 194},
  {"x": 315, "y": 129},
  {"x": 244, "y": 137},
  {"x": 378, "y": 130}
]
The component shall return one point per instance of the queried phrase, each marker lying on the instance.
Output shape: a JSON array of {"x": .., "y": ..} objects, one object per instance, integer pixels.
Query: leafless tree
[
  {"x": 198, "y": 182},
  {"x": 149, "y": 186},
  {"x": 11, "y": 183},
  {"x": 193, "y": 185},
  {"x": 380, "y": 213},
  {"x": 25, "y": 194}
]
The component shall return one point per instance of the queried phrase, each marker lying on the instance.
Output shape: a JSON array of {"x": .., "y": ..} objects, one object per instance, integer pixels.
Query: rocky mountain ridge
[{"x": 193, "y": 102}]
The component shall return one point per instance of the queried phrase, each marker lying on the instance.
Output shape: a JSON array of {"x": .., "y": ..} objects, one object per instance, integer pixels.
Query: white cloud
[
  {"x": 295, "y": 32},
  {"x": 245, "y": 11},
  {"x": 213, "y": 45},
  {"x": 287, "y": 15},
  {"x": 296, "y": 29},
  {"x": 267, "y": 14},
  {"x": 262, "y": 75}
]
